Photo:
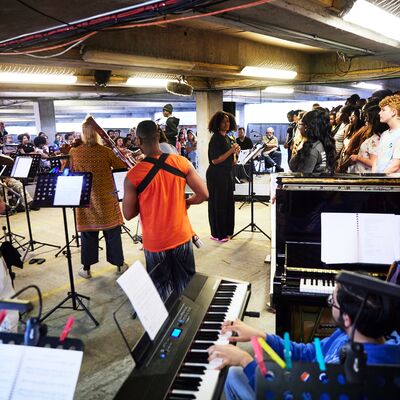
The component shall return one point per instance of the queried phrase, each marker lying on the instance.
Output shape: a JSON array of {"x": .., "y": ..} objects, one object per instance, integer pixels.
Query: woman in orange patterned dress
[{"x": 104, "y": 213}]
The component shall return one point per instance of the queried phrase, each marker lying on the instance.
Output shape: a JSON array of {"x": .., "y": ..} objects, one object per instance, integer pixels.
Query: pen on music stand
[
  {"x": 67, "y": 328},
  {"x": 273, "y": 355},
  {"x": 286, "y": 352},
  {"x": 258, "y": 355},
  {"x": 318, "y": 354},
  {"x": 3, "y": 314}
]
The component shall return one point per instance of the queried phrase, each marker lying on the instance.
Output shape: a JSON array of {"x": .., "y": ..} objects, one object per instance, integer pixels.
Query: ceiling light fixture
[
  {"x": 366, "y": 15},
  {"x": 42, "y": 79},
  {"x": 279, "y": 90},
  {"x": 268, "y": 73},
  {"x": 146, "y": 82},
  {"x": 366, "y": 85}
]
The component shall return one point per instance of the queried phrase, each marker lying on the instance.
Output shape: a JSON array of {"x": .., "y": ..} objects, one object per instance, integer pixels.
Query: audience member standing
[
  {"x": 171, "y": 124},
  {"x": 221, "y": 205},
  {"x": 317, "y": 153},
  {"x": 388, "y": 155},
  {"x": 191, "y": 148}
]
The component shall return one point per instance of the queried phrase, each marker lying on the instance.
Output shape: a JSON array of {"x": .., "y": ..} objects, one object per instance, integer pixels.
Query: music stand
[
  {"x": 252, "y": 225},
  {"x": 119, "y": 179},
  {"x": 64, "y": 191},
  {"x": 56, "y": 163},
  {"x": 26, "y": 166}
]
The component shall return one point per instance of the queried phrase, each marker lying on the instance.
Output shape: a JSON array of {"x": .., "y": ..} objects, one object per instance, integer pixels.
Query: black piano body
[
  {"x": 300, "y": 200},
  {"x": 159, "y": 363}
]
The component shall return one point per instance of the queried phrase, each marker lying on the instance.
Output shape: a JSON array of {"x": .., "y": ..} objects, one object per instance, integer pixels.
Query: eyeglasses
[{"x": 331, "y": 302}]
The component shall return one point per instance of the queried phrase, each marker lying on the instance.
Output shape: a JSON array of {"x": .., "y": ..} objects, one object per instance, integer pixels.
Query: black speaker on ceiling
[
  {"x": 102, "y": 77},
  {"x": 229, "y": 107}
]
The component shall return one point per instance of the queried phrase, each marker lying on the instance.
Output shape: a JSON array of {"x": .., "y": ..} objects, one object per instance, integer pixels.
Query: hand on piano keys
[
  {"x": 243, "y": 331},
  {"x": 229, "y": 355}
]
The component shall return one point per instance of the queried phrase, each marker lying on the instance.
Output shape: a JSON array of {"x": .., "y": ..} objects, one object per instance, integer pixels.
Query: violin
[{"x": 66, "y": 147}]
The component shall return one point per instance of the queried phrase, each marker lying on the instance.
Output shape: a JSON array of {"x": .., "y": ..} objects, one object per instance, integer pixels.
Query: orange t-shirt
[{"x": 162, "y": 205}]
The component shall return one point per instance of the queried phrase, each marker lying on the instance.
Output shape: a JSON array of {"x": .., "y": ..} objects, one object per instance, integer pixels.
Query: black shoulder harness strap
[{"x": 158, "y": 164}]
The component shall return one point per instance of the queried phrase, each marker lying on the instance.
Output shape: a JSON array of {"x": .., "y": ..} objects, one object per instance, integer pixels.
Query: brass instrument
[{"x": 128, "y": 159}]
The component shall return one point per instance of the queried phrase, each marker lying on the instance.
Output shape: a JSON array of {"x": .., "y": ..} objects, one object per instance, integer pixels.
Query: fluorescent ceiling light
[
  {"x": 279, "y": 89},
  {"x": 268, "y": 73},
  {"x": 146, "y": 82},
  {"x": 366, "y": 85},
  {"x": 374, "y": 18},
  {"x": 42, "y": 79}
]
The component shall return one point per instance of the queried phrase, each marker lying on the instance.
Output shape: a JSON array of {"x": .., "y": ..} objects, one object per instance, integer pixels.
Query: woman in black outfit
[{"x": 221, "y": 206}]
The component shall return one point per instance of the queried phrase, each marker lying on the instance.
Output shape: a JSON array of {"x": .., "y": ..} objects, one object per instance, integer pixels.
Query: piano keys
[
  {"x": 301, "y": 279},
  {"x": 175, "y": 366}
]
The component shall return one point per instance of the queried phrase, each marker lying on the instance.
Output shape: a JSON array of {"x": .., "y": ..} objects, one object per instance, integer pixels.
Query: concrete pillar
[
  {"x": 207, "y": 104},
  {"x": 240, "y": 120},
  {"x": 45, "y": 118}
]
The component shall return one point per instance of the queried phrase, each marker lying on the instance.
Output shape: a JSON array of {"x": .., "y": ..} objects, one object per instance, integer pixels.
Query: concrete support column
[
  {"x": 207, "y": 104},
  {"x": 45, "y": 118},
  {"x": 240, "y": 111}
]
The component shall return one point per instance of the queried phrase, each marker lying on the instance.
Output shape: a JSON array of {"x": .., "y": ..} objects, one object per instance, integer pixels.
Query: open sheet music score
[
  {"x": 256, "y": 151},
  {"x": 68, "y": 191},
  {"x": 22, "y": 166},
  {"x": 143, "y": 295},
  {"x": 360, "y": 238},
  {"x": 38, "y": 373},
  {"x": 119, "y": 179}
]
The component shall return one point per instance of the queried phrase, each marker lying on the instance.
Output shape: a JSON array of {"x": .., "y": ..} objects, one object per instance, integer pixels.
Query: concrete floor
[{"x": 106, "y": 362}]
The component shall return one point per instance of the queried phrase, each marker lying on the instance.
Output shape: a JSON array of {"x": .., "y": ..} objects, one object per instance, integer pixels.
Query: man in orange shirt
[{"x": 155, "y": 188}]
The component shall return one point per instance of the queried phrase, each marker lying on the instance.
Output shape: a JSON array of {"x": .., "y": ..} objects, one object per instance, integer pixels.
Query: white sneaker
[
  {"x": 84, "y": 273},
  {"x": 122, "y": 268}
]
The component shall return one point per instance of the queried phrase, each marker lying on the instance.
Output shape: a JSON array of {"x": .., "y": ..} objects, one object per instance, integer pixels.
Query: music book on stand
[{"x": 348, "y": 238}]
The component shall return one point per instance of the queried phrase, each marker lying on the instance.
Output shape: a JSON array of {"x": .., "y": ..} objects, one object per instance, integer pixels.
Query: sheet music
[
  {"x": 21, "y": 167},
  {"x": 119, "y": 179},
  {"x": 243, "y": 155},
  {"x": 68, "y": 191},
  {"x": 38, "y": 373},
  {"x": 143, "y": 295},
  {"x": 253, "y": 153}
]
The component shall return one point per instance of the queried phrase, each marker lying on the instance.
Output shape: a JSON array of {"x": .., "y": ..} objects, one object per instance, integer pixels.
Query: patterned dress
[{"x": 104, "y": 211}]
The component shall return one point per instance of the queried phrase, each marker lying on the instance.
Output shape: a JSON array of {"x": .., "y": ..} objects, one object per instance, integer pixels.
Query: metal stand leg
[{"x": 72, "y": 295}]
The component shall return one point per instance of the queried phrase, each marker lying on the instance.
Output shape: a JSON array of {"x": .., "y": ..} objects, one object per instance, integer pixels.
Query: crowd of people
[{"x": 359, "y": 137}]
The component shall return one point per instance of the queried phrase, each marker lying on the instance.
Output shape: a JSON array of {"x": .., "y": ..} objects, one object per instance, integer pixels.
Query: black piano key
[
  {"x": 226, "y": 288},
  {"x": 183, "y": 386},
  {"x": 218, "y": 309},
  {"x": 180, "y": 396},
  {"x": 219, "y": 317},
  {"x": 221, "y": 302},
  {"x": 211, "y": 325},
  {"x": 188, "y": 380},
  {"x": 223, "y": 294},
  {"x": 205, "y": 335},
  {"x": 201, "y": 346},
  {"x": 192, "y": 369},
  {"x": 197, "y": 357}
]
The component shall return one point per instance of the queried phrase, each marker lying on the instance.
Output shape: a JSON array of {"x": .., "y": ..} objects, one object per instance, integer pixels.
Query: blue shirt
[
  {"x": 389, "y": 142},
  {"x": 387, "y": 353}
]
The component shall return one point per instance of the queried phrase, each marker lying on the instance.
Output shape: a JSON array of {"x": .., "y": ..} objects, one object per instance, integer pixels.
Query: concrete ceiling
[{"x": 208, "y": 47}]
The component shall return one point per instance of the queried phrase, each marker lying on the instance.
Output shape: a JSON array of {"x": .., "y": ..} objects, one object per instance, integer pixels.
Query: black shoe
[
  {"x": 32, "y": 207},
  {"x": 279, "y": 169}
]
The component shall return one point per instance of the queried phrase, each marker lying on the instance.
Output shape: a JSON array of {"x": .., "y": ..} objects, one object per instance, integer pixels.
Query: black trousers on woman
[{"x": 221, "y": 204}]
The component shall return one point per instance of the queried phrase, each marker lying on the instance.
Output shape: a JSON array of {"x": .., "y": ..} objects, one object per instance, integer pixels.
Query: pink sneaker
[
  {"x": 223, "y": 240},
  {"x": 213, "y": 238}
]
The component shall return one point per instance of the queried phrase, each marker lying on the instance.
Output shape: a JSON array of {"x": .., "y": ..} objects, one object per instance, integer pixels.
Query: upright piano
[
  {"x": 300, "y": 278},
  {"x": 174, "y": 366}
]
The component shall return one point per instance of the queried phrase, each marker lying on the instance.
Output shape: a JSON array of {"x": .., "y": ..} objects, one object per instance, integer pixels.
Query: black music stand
[
  {"x": 50, "y": 192},
  {"x": 252, "y": 198},
  {"x": 119, "y": 178},
  {"x": 26, "y": 166},
  {"x": 56, "y": 165}
]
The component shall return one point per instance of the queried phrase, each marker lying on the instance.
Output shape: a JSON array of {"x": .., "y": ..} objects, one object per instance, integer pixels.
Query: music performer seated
[
  {"x": 377, "y": 320},
  {"x": 272, "y": 154}
]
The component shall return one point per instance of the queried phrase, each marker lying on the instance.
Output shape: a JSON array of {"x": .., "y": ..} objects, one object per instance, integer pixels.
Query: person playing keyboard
[{"x": 374, "y": 324}]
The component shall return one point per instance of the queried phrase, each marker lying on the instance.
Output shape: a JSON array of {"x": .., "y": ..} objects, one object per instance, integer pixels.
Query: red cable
[{"x": 155, "y": 23}]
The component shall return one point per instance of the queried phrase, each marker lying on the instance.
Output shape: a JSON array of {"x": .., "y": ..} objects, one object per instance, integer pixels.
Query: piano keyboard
[
  {"x": 312, "y": 285},
  {"x": 197, "y": 379},
  {"x": 186, "y": 373}
]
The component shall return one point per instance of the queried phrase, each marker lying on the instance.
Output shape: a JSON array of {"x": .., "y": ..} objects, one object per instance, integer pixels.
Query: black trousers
[
  {"x": 171, "y": 270},
  {"x": 90, "y": 247},
  {"x": 221, "y": 204}
]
